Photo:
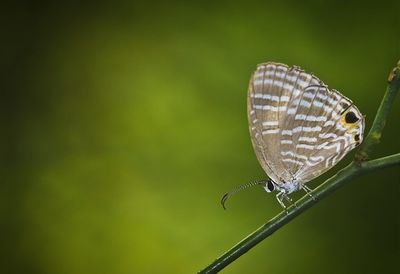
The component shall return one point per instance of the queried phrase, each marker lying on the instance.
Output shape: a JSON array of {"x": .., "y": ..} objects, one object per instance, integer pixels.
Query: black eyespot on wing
[
  {"x": 351, "y": 117},
  {"x": 357, "y": 137}
]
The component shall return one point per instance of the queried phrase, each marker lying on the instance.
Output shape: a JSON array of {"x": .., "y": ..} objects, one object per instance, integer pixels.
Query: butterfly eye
[{"x": 270, "y": 186}]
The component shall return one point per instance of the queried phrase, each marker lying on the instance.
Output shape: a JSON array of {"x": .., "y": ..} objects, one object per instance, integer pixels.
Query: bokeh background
[{"x": 123, "y": 124}]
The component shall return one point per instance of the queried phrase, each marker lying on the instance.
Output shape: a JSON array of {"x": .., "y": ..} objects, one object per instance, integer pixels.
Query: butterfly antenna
[{"x": 238, "y": 189}]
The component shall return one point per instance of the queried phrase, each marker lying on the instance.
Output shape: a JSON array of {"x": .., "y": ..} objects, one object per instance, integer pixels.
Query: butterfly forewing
[{"x": 299, "y": 127}]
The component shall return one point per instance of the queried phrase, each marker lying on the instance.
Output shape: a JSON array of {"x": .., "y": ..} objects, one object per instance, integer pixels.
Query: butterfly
[{"x": 299, "y": 127}]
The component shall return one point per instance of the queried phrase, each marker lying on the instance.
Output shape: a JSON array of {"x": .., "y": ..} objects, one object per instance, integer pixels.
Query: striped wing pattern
[{"x": 299, "y": 127}]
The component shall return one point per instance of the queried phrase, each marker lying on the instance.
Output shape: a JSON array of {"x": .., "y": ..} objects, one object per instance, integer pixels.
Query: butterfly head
[
  {"x": 269, "y": 186},
  {"x": 285, "y": 187}
]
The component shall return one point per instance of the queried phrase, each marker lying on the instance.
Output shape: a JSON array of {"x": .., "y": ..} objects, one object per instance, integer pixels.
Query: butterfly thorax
[{"x": 289, "y": 187}]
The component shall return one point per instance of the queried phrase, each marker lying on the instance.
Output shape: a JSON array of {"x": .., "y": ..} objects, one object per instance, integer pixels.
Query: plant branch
[
  {"x": 355, "y": 169},
  {"x": 375, "y": 133}
]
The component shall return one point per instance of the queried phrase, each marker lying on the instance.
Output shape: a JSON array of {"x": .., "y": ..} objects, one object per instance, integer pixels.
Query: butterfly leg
[
  {"x": 290, "y": 200},
  {"x": 308, "y": 191},
  {"x": 282, "y": 195},
  {"x": 279, "y": 197}
]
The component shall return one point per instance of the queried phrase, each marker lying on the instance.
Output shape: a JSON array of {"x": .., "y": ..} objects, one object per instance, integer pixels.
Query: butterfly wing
[
  {"x": 334, "y": 142},
  {"x": 273, "y": 88},
  {"x": 299, "y": 128},
  {"x": 324, "y": 126}
]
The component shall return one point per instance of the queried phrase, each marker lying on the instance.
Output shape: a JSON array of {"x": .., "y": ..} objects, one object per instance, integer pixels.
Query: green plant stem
[
  {"x": 357, "y": 168},
  {"x": 375, "y": 133}
]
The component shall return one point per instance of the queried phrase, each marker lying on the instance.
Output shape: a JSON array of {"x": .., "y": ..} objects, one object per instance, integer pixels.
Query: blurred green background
[{"x": 124, "y": 123}]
